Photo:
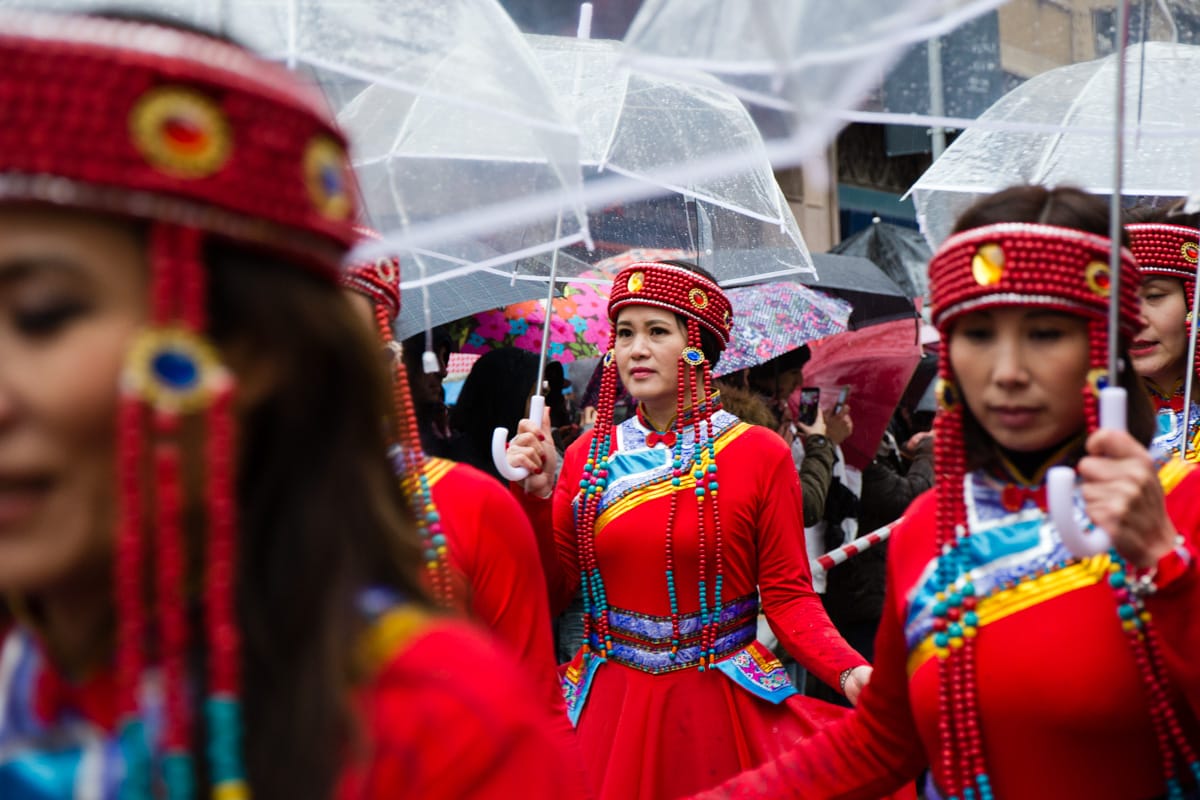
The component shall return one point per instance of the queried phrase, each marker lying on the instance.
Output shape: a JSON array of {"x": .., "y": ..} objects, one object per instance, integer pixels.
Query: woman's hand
[
  {"x": 840, "y": 426},
  {"x": 857, "y": 681},
  {"x": 533, "y": 449},
  {"x": 816, "y": 429},
  {"x": 1124, "y": 497}
]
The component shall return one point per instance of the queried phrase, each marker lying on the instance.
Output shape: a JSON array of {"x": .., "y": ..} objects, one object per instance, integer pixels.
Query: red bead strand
[
  {"x": 222, "y": 556},
  {"x": 171, "y": 574},
  {"x": 130, "y": 561}
]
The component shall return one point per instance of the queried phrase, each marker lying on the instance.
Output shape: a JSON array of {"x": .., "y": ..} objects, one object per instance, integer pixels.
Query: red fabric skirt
[{"x": 657, "y": 737}]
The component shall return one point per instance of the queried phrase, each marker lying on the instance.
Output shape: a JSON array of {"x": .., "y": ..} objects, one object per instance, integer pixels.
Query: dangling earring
[{"x": 946, "y": 393}]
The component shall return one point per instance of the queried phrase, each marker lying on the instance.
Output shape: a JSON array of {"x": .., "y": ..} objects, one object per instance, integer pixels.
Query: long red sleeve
[
  {"x": 793, "y": 609},
  {"x": 1174, "y": 607}
]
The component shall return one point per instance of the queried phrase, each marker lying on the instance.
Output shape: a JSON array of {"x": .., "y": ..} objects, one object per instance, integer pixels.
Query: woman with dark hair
[
  {"x": 1008, "y": 666},
  {"x": 208, "y": 575},
  {"x": 1167, "y": 246},
  {"x": 672, "y": 523},
  {"x": 495, "y": 395},
  {"x": 475, "y": 567}
]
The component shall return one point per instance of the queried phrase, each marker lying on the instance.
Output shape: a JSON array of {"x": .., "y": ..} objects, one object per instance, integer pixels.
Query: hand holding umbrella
[{"x": 1060, "y": 481}]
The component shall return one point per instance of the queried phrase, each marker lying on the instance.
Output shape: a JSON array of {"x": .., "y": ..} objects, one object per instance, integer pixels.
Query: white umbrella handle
[
  {"x": 1060, "y": 487},
  {"x": 537, "y": 408}
]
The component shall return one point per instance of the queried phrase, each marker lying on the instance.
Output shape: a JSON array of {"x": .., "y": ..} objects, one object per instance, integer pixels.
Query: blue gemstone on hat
[
  {"x": 175, "y": 369},
  {"x": 331, "y": 180}
]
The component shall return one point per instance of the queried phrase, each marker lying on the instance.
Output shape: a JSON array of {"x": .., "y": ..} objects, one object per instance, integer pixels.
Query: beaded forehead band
[
  {"x": 1167, "y": 250},
  {"x": 676, "y": 289},
  {"x": 155, "y": 123},
  {"x": 1028, "y": 264}
]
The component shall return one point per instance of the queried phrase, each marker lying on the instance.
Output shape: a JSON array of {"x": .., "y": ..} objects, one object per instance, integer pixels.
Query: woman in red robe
[
  {"x": 209, "y": 580},
  {"x": 674, "y": 523},
  {"x": 1010, "y": 667},
  {"x": 481, "y": 557},
  {"x": 1166, "y": 247}
]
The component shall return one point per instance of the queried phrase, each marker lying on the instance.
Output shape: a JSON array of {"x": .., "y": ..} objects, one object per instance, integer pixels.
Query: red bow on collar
[
  {"x": 1175, "y": 403},
  {"x": 1014, "y": 497},
  {"x": 654, "y": 437}
]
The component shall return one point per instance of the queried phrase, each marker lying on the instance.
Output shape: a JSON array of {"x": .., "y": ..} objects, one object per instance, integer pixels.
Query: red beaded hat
[
  {"x": 378, "y": 280},
  {"x": 162, "y": 124},
  {"x": 199, "y": 138},
  {"x": 1166, "y": 251},
  {"x": 675, "y": 288},
  {"x": 1027, "y": 264}
]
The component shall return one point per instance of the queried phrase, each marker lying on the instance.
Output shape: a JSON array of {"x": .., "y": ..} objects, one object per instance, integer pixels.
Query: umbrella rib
[
  {"x": 416, "y": 91},
  {"x": 606, "y": 151},
  {"x": 701, "y": 196},
  {"x": 445, "y": 275}
]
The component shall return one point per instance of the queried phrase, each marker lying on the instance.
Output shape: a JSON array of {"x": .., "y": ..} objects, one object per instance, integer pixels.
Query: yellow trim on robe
[
  {"x": 664, "y": 487},
  {"x": 387, "y": 634},
  {"x": 1172, "y": 473},
  {"x": 1025, "y": 595},
  {"x": 436, "y": 469}
]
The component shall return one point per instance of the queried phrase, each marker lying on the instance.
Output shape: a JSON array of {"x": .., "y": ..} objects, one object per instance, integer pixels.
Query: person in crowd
[
  {"x": 673, "y": 522},
  {"x": 208, "y": 578},
  {"x": 815, "y": 444},
  {"x": 1008, "y": 666},
  {"x": 1166, "y": 246},
  {"x": 428, "y": 394},
  {"x": 495, "y": 395},
  {"x": 474, "y": 566},
  {"x": 854, "y": 590}
]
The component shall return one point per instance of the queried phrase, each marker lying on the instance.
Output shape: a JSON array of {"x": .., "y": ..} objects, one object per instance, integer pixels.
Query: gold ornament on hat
[
  {"x": 180, "y": 132},
  {"x": 326, "y": 174},
  {"x": 698, "y": 298},
  {"x": 1099, "y": 280},
  {"x": 987, "y": 267},
  {"x": 1190, "y": 252},
  {"x": 636, "y": 281},
  {"x": 947, "y": 394}
]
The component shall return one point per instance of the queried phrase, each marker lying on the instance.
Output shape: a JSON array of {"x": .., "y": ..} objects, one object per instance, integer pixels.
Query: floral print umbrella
[
  {"x": 770, "y": 319},
  {"x": 578, "y": 325}
]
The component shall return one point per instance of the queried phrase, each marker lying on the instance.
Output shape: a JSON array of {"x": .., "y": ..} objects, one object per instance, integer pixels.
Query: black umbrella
[
  {"x": 875, "y": 297},
  {"x": 901, "y": 252}
]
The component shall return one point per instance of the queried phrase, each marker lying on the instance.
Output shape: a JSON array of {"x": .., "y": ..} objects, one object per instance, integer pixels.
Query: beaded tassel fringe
[{"x": 172, "y": 373}]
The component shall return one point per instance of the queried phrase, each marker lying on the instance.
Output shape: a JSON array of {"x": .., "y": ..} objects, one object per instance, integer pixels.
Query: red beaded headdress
[
  {"x": 199, "y": 138},
  {"x": 379, "y": 282},
  {"x": 1008, "y": 264},
  {"x": 1167, "y": 251},
  {"x": 701, "y": 301}
]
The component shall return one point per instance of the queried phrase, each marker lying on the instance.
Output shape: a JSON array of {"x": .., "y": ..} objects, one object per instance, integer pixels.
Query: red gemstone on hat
[{"x": 185, "y": 133}]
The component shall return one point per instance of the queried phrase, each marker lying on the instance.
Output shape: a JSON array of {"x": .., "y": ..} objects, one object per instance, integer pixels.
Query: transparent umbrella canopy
[
  {"x": 649, "y": 128},
  {"x": 443, "y": 102},
  {"x": 805, "y": 59},
  {"x": 1056, "y": 129}
]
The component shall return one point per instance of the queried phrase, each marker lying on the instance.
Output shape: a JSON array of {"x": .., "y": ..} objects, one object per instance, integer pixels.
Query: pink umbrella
[{"x": 877, "y": 362}]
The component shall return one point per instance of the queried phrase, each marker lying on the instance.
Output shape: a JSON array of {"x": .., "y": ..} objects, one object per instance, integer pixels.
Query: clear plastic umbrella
[
  {"x": 805, "y": 59},
  {"x": 1055, "y": 129},
  {"x": 650, "y": 128},
  {"x": 444, "y": 104}
]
